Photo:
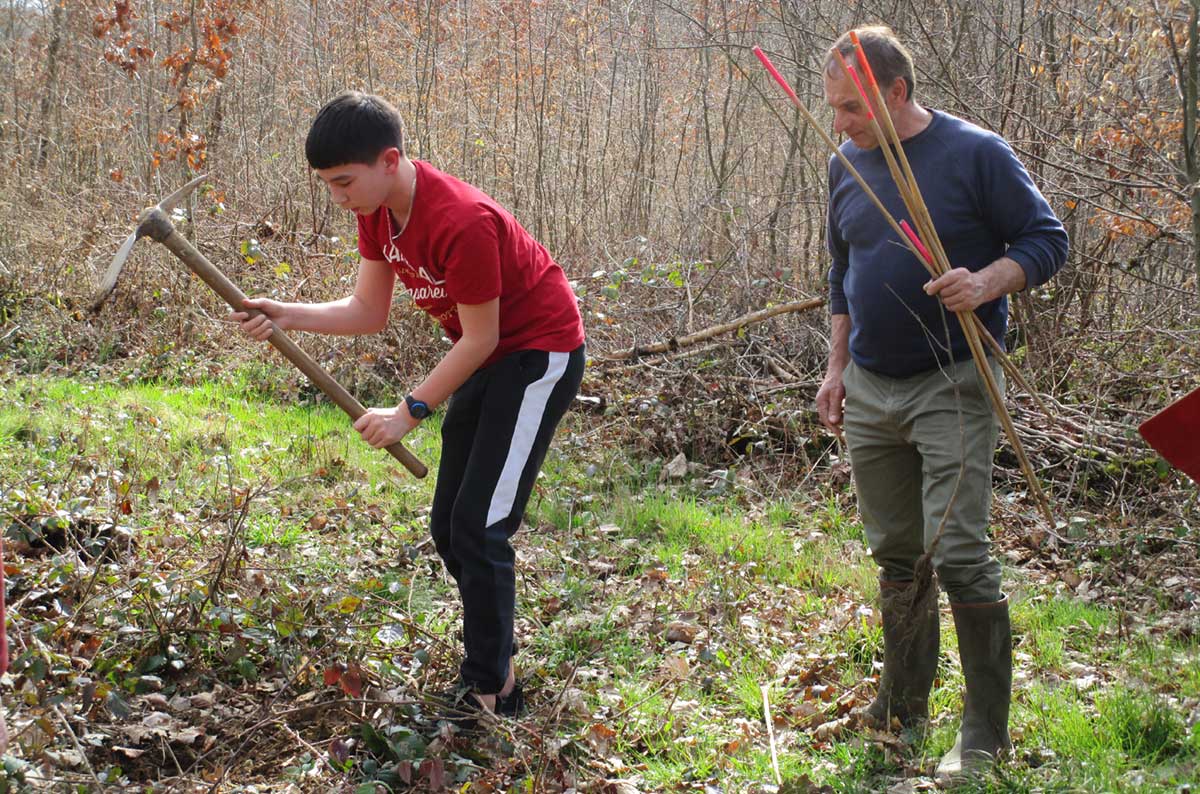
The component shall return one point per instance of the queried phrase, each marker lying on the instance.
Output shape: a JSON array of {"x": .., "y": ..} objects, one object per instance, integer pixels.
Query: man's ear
[{"x": 898, "y": 92}]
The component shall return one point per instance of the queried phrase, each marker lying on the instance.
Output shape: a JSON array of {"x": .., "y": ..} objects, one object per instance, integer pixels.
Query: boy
[{"x": 516, "y": 363}]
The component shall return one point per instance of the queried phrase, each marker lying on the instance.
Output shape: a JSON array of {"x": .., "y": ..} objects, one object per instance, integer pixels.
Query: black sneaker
[
  {"x": 460, "y": 708},
  {"x": 512, "y": 704}
]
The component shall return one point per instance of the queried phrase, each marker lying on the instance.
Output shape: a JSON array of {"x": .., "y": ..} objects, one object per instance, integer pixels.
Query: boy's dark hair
[
  {"x": 889, "y": 58},
  {"x": 353, "y": 127}
]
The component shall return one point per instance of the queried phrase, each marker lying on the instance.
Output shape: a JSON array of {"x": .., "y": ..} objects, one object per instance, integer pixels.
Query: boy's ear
[{"x": 390, "y": 159}]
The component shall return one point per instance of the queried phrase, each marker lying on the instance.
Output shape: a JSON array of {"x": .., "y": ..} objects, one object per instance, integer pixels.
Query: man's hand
[
  {"x": 829, "y": 401},
  {"x": 260, "y": 326},
  {"x": 382, "y": 427},
  {"x": 960, "y": 289}
]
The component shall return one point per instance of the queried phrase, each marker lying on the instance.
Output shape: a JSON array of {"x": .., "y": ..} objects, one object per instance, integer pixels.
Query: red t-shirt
[{"x": 460, "y": 246}]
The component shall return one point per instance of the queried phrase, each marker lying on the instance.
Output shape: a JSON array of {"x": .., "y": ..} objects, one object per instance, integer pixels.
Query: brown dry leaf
[
  {"x": 686, "y": 707},
  {"x": 202, "y": 700},
  {"x": 831, "y": 730},
  {"x": 64, "y": 759},
  {"x": 749, "y": 729},
  {"x": 574, "y": 701},
  {"x": 886, "y": 739},
  {"x": 821, "y": 692},
  {"x": 158, "y": 721},
  {"x": 601, "y": 568},
  {"x": 255, "y": 578},
  {"x": 600, "y": 737},
  {"x": 675, "y": 667},
  {"x": 679, "y": 631},
  {"x": 657, "y": 574},
  {"x": 848, "y": 701},
  {"x": 912, "y": 785},
  {"x": 805, "y": 715},
  {"x": 339, "y": 750},
  {"x": 1035, "y": 538},
  {"x": 676, "y": 468},
  {"x": 435, "y": 770},
  {"x": 552, "y": 606},
  {"x": 186, "y": 735},
  {"x": 1071, "y": 579}
]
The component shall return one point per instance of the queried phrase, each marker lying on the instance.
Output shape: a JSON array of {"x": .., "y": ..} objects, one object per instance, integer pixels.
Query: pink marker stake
[
  {"x": 916, "y": 241},
  {"x": 762, "y": 56}
]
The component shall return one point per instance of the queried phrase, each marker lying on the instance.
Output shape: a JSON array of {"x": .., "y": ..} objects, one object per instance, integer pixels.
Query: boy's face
[{"x": 361, "y": 187}]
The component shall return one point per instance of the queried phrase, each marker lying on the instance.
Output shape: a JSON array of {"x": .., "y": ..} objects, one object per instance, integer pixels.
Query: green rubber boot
[
  {"x": 985, "y": 647},
  {"x": 910, "y": 656}
]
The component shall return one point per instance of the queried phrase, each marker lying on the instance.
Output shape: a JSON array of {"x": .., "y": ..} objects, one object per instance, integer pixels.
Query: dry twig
[{"x": 714, "y": 330}]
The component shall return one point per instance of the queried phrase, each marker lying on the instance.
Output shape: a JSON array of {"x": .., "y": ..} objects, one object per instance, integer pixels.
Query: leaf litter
[{"x": 181, "y": 652}]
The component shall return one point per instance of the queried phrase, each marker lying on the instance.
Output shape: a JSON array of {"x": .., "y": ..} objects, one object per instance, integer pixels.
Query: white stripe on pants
[{"x": 529, "y": 419}]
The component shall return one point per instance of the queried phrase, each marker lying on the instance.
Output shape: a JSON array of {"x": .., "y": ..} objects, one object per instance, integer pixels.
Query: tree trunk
[
  {"x": 1191, "y": 156},
  {"x": 52, "y": 48}
]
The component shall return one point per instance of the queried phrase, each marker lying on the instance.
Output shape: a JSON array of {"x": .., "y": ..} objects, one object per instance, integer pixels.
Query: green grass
[
  {"x": 1054, "y": 629},
  {"x": 332, "y": 565}
]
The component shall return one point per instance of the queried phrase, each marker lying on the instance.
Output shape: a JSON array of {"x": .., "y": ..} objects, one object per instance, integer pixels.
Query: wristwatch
[{"x": 417, "y": 409}]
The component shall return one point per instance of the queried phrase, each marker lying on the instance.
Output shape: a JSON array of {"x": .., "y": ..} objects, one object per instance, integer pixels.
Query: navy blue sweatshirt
[{"x": 984, "y": 205}]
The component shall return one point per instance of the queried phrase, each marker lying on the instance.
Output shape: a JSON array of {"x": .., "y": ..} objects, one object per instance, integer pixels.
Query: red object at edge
[
  {"x": 1175, "y": 433},
  {"x": 3, "y": 616}
]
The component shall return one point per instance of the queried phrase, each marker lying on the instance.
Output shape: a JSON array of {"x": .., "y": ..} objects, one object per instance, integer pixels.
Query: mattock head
[{"x": 157, "y": 215}]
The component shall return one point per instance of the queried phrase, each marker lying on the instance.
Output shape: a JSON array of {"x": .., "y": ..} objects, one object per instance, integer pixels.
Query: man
[
  {"x": 516, "y": 363},
  {"x": 920, "y": 428}
]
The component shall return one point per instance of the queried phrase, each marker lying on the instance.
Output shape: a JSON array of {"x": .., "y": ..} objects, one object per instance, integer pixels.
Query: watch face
[{"x": 416, "y": 408}]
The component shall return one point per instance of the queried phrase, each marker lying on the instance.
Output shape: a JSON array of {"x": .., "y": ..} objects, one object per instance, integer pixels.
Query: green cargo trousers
[{"x": 921, "y": 449}]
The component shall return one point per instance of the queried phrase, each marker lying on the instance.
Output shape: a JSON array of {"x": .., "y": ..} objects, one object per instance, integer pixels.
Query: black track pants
[{"x": 495, "y": 434}]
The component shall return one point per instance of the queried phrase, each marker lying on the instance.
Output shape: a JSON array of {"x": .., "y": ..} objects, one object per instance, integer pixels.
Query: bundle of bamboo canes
[{"x": 932, "y": 255}]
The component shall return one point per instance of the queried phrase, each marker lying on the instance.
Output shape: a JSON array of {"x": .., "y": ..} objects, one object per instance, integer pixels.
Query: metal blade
[
  {"x": 114, "y": 270},
  {"x": 169, "y": 203}
]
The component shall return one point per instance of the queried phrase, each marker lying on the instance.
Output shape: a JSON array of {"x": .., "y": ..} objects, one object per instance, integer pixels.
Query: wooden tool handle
[{"x": 229, "y": 291}]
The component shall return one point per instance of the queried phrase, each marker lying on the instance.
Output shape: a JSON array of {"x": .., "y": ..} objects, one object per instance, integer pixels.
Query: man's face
[
  {"x": 360, "y": 187},
  {"x": 849, "y": 110}
]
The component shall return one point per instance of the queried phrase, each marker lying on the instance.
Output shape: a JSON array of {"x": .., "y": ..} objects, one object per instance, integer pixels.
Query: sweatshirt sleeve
[
  {"x": 839, "y": 251},
  {"x": 1019, "y": 214}
]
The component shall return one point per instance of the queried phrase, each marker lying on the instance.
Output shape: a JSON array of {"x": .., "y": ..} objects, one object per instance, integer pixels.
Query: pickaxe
[{"x": 155, "y": 223}]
